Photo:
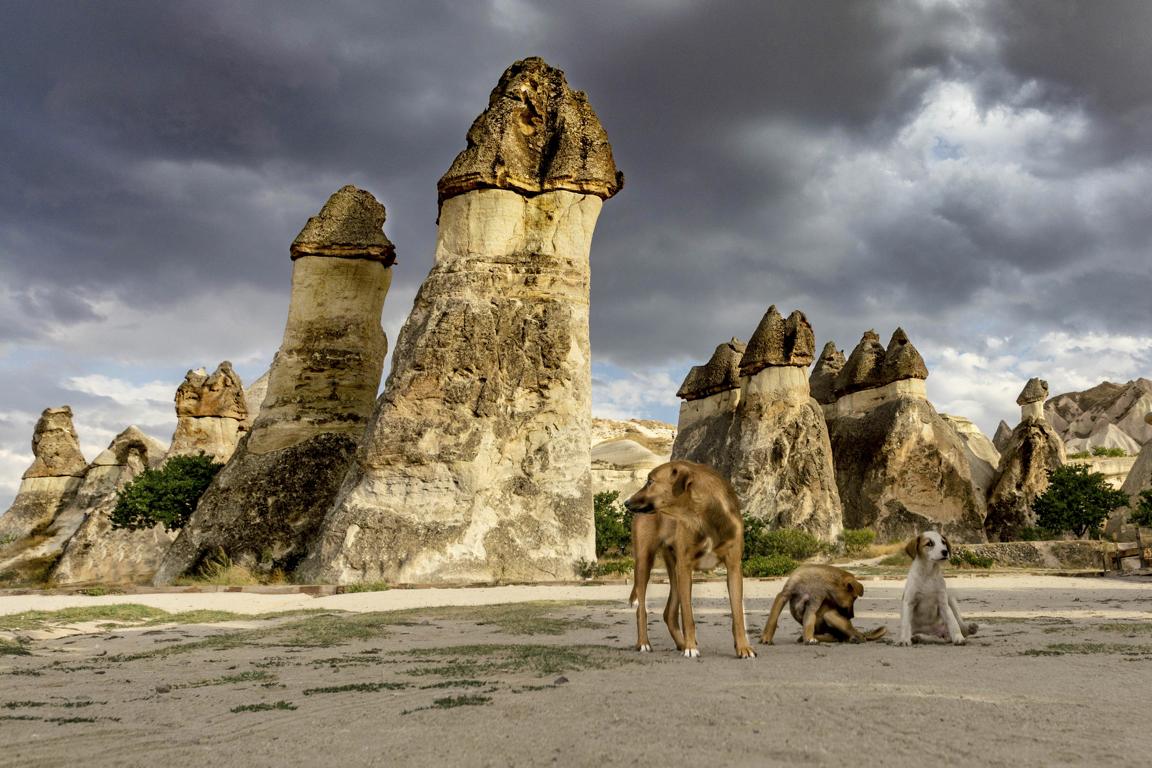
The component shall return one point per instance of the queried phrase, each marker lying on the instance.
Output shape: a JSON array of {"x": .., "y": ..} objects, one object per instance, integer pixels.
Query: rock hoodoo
[
  {"x": 263, "y": 508},
  {"x": 711, "y": 393},
  {"x": 983, "y": 458},
  {"x": 52, "y": 480},
  {"x": 900, "y": 467},
  {"x": 1107, "y": 415},
  {"x": 211, "y": 413},
  {"x": 1002, "y": 436},
  {"x": 779, "y": 458},
  {"x": 94, "y": 552},
  {"x": 1033, "y": 450},
  {"x": 477, "y": 464},
  {"x": 822, "y": 380}
]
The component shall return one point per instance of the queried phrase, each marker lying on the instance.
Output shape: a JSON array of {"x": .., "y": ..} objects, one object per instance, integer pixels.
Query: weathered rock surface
[
  {"x": 1140, "y": 476},
  {"x": 1002, "y": 436},
  {"x": 52, "y": 480},
  {"x": 477, "y": 465},
  {"x": 94, "y": 552},
  {"x": 983, "y": 458},
  {"x": 822, "y": 380},
  {"x": 264, "y": 507},
  {"x": 1033, "y": 450},
  {"x": 254, "y": 395},
  {"x": 1103, "y": 416},
  {"x": 624, "y": 452},
  {"x": 711, "y": 394},
  {"x": 777, "y": 341},
  {"x": 779, "y": 459},
  {"x": 900, "y": 467},
  {"x": 211, "y": 413},
  {"x": 536, "y": 136}
]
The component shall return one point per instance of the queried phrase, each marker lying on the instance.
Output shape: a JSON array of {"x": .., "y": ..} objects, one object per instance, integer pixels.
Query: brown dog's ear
[
  {"x": 854, "y": 586},
  {"x": 912, "y": 548},
  {"x": 682, "y": 482}
]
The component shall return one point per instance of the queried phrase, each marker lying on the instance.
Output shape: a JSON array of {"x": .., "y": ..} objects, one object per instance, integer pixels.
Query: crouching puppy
[
  {"x": 821, "y": 598},
  {"x": 688, "y": 513},
  {"x": 926, "y": 608}
]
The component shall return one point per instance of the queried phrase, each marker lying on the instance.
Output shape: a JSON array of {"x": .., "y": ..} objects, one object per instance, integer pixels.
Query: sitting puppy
[
  {"x": 926, "y": 607},
  {"x": 688, "y": 513},
  {"x": 821, "y": 598}
]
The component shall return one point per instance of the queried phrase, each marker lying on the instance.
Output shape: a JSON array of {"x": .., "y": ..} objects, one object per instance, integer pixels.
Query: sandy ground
[{"x": 1057, "y": 675}]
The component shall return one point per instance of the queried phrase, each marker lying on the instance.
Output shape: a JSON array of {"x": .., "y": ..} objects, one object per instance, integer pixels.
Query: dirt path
[{"x": 1054, "y": 677}]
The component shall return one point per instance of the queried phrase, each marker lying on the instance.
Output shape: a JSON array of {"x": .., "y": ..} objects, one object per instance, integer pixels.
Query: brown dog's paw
[
  {"x": 644, "y": 648},
  {"x": 691, "y": 653},
  {"x": 746, "y": 652}
]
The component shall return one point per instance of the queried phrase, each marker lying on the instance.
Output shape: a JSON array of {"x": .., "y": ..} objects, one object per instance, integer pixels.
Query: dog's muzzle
[{"x": 639, "y": 509}]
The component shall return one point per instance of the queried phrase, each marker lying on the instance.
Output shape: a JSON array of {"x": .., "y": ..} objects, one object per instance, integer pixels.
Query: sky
[{"x": 978, "y": 173}]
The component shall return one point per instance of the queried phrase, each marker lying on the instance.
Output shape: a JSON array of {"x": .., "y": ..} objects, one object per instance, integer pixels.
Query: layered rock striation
[
  {"x": 52, "y": 480},
  {"x": 900, "y": 467},
  {"x": 477, "y": 463},
  {"x": 211, "y": 413},
  {"x": 265, "y": 506},
  {"x": 1030, "y": 454}
]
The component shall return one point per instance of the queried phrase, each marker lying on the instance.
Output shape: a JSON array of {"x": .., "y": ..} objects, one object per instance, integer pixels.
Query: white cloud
[{"x": 622, "y": 394}]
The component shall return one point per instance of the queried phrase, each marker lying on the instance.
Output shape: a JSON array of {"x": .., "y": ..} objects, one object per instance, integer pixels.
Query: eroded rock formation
[
  {"x": 711, "y": 394},
  {"x": 900, "y": 467},
  {"x": 264, "y": 507},
  {"x": 94, "y": 552},
  {"x": 1107, "y": 416},
  {"x": 52, "y": 480},
  {"x": 1002, "y": 436},
  {"x": 1139, "y": 478},
  {"x": 779, "y": 458},
  {"x": 1033, "y": 450},
  {"x": 983, "y": 458},
  {"x": 624, "y": 452},
  {"x": 477, "y": 464},
  {"x": 822, "y": 380},
  {"x": 211, "y": 413}
]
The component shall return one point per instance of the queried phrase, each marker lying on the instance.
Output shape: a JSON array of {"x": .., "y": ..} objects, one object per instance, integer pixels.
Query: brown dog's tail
[{"x": 876, "y": 634}]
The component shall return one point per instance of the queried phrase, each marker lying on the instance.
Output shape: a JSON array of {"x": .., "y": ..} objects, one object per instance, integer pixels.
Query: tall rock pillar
[
  {"x": 211, "y": 413},
  {"x": 711, "y": 394},
  {"x": 477, "y": 466},
  {"x": 1032, "y": 451},
  {"x": 52, "y": 480},
  {"x": 780, "y": 458},
  {"x": 263, "y": 508}
]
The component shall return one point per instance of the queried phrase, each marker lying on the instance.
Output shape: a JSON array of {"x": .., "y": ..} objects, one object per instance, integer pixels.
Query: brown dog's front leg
[
  {"x": 672, "y": 607},
  {"x": 736, "y": 601},
  {"x": 684, "y": 598},
  {"x": 811, "y": 614}
]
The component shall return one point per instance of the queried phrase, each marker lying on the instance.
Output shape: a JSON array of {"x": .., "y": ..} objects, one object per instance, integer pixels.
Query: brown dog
[
  {"x": 690, "y": 514},
  {"x": 821, "y": 598}
]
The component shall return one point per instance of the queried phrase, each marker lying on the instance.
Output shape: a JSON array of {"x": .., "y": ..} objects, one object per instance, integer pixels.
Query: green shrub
[
  {"x": 1076, "y": 500},
  {"x": 1032, "y": 533},
  {"x": 769, "y": 565},
  {"x": 167, "y": 495},
  {"x": 759, "y": 540},
  {"x": 1079, "y": 455},
  {"x": 857, "y": 540},
  {"x": 966, "y": 558},
  {"x": 1100, "y": 450},
  {"x": 1142, "y": 515},
  {"x": 613, "y": 525}
]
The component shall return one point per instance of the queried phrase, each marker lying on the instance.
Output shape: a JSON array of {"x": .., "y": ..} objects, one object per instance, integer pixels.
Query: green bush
[
  {"x": 1079, "y": 455},
  {"x": 1100, "y": 450},
  {"x": 857, "y": 540},
  {"x": 1076, "y": 500},
  {"x": 167, "y": 495},
  {"x": 759, "y": 541},
  {"x": 613, "y": 525},
  {"x": 1142, "y": 515},
  {"x": 966, "y": 558},
  {"x": 1032, "y": 533},
  {"x": 769, "y": 565}
]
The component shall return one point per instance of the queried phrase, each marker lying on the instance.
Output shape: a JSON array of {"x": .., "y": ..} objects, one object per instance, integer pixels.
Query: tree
[
  {"x": 1076, "y": 500},
  {"x": 613, "y": 525},
  {"x": 167, "y": 495}
]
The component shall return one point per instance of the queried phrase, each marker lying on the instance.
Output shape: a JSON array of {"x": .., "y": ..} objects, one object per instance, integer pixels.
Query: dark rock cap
[
  {"x": 349, "y": 226},
  {"x": 864, "y": 367},
  {"x": 777, "y": 341},
  {"x": 901, "y": 360},
  {"x": 720, "y": 374},
  {"x": 823, "y": 377},
  {"x": 536, "y": 136},
  {"x": 1034, "y": 391}
]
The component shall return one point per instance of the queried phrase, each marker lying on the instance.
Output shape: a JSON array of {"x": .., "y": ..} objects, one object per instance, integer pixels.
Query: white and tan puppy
[{"x": 926, "y": 608}]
